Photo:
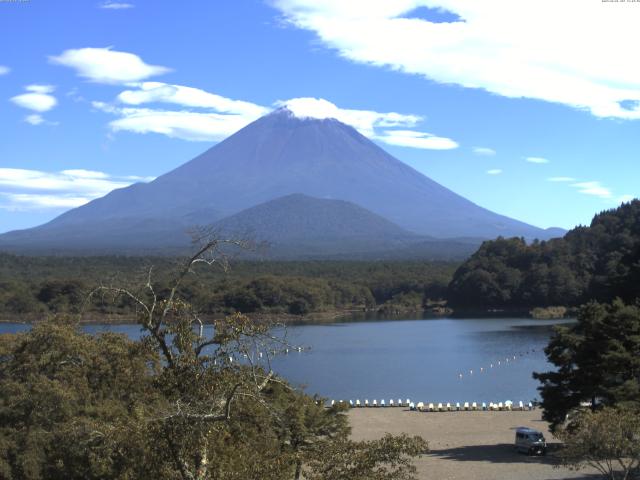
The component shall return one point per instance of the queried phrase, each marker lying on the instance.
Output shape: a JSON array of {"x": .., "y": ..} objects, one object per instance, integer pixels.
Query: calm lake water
[{"x": 420, "y": 359}]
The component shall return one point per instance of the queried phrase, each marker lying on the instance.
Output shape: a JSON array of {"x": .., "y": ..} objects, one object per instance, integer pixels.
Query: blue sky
[{"x": 531, "y": 115}]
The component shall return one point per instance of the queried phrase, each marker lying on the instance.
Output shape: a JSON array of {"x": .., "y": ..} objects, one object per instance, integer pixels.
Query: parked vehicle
[{"x": 530, "y": 441}]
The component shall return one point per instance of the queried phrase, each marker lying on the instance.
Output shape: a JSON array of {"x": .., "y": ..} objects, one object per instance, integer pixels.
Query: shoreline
[{"x": 313, "y": 318}]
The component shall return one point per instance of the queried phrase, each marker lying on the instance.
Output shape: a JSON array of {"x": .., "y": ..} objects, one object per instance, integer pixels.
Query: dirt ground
[{"x": 466, "y": 445}]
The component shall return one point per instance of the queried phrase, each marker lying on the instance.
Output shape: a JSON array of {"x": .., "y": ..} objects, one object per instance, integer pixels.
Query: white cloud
[
  {"x": 561, "y": 179},
  {"x": 104, "y": 65},
  {"x": 497, "y": 46},
  {"x": 410, "y": 138},
  {"x": 186, "y": 125},
  {"x": 81, "y": 173},
  {"x": 37, "y": 99},
  {"x": 34, "y": 119},
  {"x": 484, "y": 151},
  {"x": 494, "y": 171},
  {"x": 365, "y": 121},
  {"x": 593, "y": 188},
  {"x": 221, "y": 116},
  {"x": 4, "y": 70},
  {"x": 115, "y": 5},
  {"x": 157, "y": 92},
  {"x": 29, "y": 201},
  {"x": 44, "y": 89},
  {"x": 538, "y": 160},
  {"x": 33, "y": 189}
]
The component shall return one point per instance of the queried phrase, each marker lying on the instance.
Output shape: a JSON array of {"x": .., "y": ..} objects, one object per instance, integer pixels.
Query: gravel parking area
[{"x": 466, "y": 445}]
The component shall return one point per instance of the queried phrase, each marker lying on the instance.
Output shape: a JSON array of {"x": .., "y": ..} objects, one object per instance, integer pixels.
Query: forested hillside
[
  {"x": 34, "y": 287},
  {"x": 599, "y": 262}
]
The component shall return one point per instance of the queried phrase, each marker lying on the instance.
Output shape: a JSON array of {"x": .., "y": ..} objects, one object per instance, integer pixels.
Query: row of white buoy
[
  {"x": 499, "y": 363},
  {"x": 231, "y": 359},
  {"x": 440, "y": 407}
]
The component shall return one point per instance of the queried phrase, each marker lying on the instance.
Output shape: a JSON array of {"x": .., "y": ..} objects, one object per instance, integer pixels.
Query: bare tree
[{"x": 206, "y": 367}]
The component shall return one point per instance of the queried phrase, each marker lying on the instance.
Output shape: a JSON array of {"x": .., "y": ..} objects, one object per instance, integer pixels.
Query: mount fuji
[{"x": 335, "y": 180}]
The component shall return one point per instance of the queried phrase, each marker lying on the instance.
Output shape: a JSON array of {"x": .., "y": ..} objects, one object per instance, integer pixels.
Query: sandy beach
[{"x": 466, "y": 445}]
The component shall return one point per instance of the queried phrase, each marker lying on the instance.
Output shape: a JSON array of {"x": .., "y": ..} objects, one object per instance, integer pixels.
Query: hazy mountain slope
[{"x": 298, "y": 217}]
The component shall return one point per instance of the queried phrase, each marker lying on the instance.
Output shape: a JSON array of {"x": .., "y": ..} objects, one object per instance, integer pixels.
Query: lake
[{"x": 428, "y": 360}]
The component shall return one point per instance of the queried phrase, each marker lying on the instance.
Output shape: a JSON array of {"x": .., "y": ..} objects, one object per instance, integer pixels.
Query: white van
[{"x": 530, "y": 441}]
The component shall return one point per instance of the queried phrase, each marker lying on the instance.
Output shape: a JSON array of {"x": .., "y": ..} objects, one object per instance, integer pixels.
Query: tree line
[{"x": 33, "y": 287}]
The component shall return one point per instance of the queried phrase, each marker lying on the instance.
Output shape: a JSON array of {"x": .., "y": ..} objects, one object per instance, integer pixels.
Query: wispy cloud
[
  {"x": 116, "y": 5},
  {"x": 157, "y": 92},
  {"x": 4, "y": 70},
  {"x": 494, "y": 171},
  {"x": 192, "y": 126},
  {"x": 38, "y": 98},
  {"x": 23, "y": 189},
  {"x": 561, "y": 179},
  {"x": 34, "y": 119},
  {"x": 413, "y": 139},
  {"x": 593, "y": 188},
  {"x": 495, "y": 45},
  {"x": 484, "y": 151},
  {"x": 538, "y": 160},
  {"x": 104, "y": 65}
]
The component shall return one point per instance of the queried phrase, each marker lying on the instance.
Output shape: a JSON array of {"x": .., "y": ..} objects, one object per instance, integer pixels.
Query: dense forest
[
  {"x": 34, "y": 287},
  {"x": 598, "y": 262}
]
